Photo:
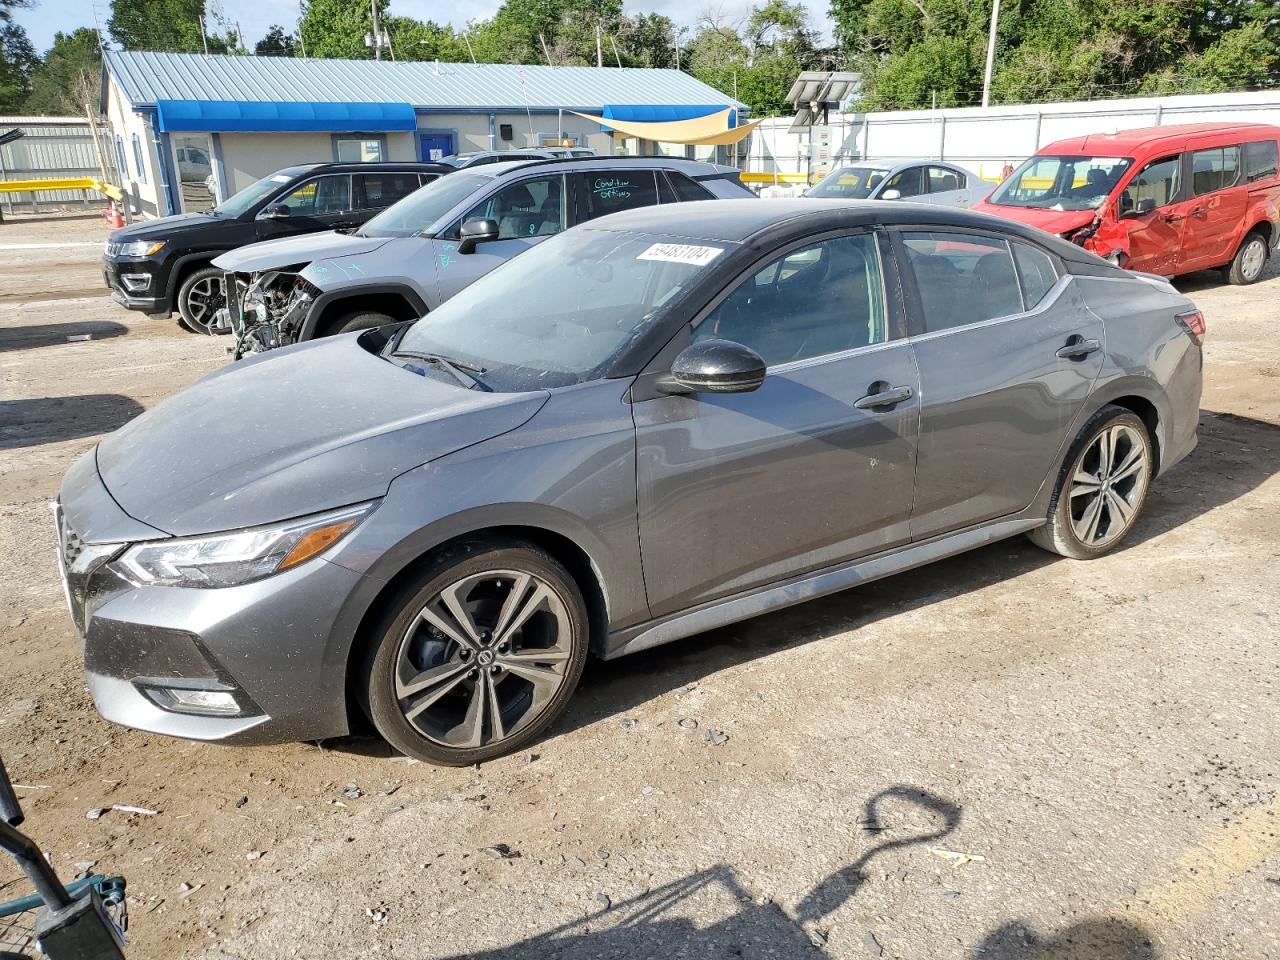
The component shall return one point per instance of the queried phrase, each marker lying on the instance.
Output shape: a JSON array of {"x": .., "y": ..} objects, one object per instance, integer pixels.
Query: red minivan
[{"x": 1164, "y": 200}]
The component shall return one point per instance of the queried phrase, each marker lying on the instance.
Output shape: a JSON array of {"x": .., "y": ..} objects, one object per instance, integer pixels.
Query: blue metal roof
[
  {"x": 663, "y": 112},
  {"x": 282, "y": 116},
  {"x": 146, "y": 77}
]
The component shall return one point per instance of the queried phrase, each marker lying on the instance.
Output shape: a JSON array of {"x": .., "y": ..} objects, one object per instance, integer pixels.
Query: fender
[
  {"x": 326, "y": 300},
  {"x": 1134, "y": 386},
  {"x": 176, "y": 269}
]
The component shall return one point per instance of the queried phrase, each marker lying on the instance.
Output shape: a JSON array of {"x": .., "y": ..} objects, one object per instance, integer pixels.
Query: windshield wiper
[{"x": 462, "y": 372}]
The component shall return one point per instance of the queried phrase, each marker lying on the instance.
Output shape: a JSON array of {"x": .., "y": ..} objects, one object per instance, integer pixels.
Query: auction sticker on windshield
[{"x": 681, "y": 253}]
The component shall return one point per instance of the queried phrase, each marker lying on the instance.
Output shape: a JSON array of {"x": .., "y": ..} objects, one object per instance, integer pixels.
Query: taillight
[{"x": 1193, "y": 324}]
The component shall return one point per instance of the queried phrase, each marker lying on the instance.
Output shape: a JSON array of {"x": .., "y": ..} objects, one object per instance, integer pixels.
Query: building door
[
  {"x": 194, "y": 157},
  {"x": 433, "y": 146}
]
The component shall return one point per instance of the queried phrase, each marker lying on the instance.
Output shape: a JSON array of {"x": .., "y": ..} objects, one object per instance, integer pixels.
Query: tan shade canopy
[{"x": 711, "y": 130}]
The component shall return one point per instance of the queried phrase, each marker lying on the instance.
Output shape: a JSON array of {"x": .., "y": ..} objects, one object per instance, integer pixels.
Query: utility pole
[
  {"x": 204, "y": 37},
  {"x": 991, "y": 53},
  {"x": 599, "y": 48},
  {"x": 616, "y": 55},
  {"x": 377, "y": 31}
]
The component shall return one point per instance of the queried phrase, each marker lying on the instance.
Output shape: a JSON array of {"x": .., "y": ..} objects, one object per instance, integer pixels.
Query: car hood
[
  {"x": 1050, "y": 221},
  {"x": 292, "y": 432},
  {"x": 286, "y": 251},
  {"x": 160, "y": 229}
]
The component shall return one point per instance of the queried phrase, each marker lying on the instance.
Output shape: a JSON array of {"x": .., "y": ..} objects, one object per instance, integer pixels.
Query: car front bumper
[
  {"x": 275, "y": 650},
  {"x": 135, "y": 285}
]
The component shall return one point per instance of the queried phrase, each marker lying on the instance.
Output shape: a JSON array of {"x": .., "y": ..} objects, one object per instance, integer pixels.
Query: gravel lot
[{"x": 1103, "y": 738}]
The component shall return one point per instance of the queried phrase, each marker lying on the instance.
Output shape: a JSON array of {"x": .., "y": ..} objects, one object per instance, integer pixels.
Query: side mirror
[
  {"x": 891, "y": 194},
  {"x": 277, "y": 211},
  {"x": 10, "y": 811},
  {"x": 477, "y": 231},
  {"x": 716, "y": 366}
]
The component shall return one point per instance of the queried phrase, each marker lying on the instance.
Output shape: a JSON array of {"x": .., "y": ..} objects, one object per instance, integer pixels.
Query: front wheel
[
  {"x": 1249, "y": 260},
  {"x": 199, "y": 298},
  {"x": 1101, "y": 488},
  {"x": 479, "y": 655},
  {"x": 362, "y": 320}
]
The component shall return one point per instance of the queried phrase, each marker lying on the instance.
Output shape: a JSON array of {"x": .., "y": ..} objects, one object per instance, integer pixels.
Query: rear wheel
[
  {"x": 1101, "y": 488},
  {"x": 479, "y": 655},
  {"x": 199, "y": 298},
  {"x": 1249, "y": 260}
]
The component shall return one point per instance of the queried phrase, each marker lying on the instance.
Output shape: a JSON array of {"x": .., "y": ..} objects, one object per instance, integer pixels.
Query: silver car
[
  {"x": 420, "y": 252},
  {"x": 921, "y": 181},
  {"x": 649, "y": 426}
]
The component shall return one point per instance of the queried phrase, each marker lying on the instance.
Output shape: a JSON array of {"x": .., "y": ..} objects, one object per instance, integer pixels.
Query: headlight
[
  {"x": 229, "y": 559},
  {"x": 140, "y": 248}
]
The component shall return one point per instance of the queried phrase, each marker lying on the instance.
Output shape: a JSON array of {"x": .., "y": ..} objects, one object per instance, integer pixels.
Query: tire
[
  {"x": 199, "y": 297},
  {"x": 1075, "y": 528},
  {"x": 479, "y": 667},
  {"x": 361, "y": 320},
  {"x": 1250, "y": 260}
]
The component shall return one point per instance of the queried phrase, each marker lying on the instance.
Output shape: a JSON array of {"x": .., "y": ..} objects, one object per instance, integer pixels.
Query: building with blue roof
[{"x": 190, "y": 130}]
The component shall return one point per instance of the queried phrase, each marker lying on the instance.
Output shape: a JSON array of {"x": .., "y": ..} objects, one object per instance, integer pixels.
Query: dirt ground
[{"x": 1103, "y": 738}]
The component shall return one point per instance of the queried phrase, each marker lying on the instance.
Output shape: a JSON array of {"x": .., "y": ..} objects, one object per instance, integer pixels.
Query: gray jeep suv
[{"x": 438, "y": 240}]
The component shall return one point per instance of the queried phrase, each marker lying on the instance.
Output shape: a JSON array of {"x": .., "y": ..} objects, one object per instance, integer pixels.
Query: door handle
[
  {"x": 883, "y": 398},
  {"x": 1198, "y": 212},
  {"x": 1173, "y": 218},
  {"x": 1078, "y": 348}
]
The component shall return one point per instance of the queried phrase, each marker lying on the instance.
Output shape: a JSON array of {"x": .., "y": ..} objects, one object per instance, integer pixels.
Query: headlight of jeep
[
  {"x": 140, "y": 248},
  {"x": 230, "y": 559}
]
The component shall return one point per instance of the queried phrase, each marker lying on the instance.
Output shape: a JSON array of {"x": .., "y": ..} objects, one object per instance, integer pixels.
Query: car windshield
[
  {"x": 241, "y": 203},
  {"x": 849, "y": 183},
  {"x": 425, "y": 206},
  {"x": 554, "y": 316},
  {"x": 1061, "y": 183}
]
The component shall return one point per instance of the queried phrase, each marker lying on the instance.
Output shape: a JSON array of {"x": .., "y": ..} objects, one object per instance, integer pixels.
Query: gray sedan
[
  {"x": 921, "y": 181},
  {"x": 652, "y": 425}
]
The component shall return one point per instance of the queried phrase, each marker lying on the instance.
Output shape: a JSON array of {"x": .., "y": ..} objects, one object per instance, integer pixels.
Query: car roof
[
  {"x": 1125, "y": 142},
  {"x": 747, "y": 220},
  {"x": 693, "y": 168},
  {"x": 385, "y": 166}
]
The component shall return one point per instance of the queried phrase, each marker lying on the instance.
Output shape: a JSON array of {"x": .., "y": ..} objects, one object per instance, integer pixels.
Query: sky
[{"x": 255, "y": 16}]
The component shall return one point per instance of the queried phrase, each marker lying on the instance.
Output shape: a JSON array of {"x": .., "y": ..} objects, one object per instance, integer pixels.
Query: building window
[
  {"x": 121, "y": 165},
  {"x": 360, "y": 150},
  {"x": 137, "y": 159}
]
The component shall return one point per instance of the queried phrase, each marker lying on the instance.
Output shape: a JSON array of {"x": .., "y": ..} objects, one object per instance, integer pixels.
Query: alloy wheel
[
  {"x": 204, "y": 299},
  {"x": 483, "y": 658},
  {"x": 1108, "y": 484}
]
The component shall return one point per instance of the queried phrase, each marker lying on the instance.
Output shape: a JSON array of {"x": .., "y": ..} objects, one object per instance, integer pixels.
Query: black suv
[{"x": 160, "y": 266}]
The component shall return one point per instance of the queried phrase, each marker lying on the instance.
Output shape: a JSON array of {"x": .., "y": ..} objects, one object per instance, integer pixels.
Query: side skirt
[{"x": 719, "y": 613}]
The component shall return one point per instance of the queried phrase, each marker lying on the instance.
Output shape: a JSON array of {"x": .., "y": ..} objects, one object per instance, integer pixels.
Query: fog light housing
[{"x": 202, "y": 701}]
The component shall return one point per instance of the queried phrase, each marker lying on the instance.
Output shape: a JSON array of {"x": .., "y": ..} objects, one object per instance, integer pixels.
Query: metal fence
[
  {"x": 53, "y": 147},
  {"x": 987, "y": 139}
]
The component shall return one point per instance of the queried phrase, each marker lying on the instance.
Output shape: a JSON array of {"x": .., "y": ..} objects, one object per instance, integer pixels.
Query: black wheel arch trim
[
  {"x": 326, "y": 301},
  {"x": 178, "y": 269}
]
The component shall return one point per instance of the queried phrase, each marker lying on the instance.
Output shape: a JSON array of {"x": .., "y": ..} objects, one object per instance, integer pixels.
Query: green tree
[
  {"x": 425, "y": 40},
  {"x": 67, "y": 80},
  {"x": 337, "y": 28},
  {"x": 276, "y": 43},
  {"x": 17, "y": 58},
  {"x": 170, "y": 25}
]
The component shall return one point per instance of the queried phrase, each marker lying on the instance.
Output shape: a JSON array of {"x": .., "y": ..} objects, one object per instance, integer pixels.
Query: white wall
[
  {"x": 471, "y": 130},
  {"x": 145, "y": 190},
  {"x": 986, "y": 139}
]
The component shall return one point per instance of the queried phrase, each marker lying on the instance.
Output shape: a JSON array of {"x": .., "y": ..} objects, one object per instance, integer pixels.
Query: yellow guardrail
[
  {"x": 62, "y": 183},
  {"x": 774, "y": 178}
]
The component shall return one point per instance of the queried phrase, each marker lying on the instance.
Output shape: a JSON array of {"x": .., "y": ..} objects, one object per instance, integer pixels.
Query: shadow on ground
[
  {"x": 41, "y": 420},
  {"x": 712, "y": 914},
  {"x": 49, "y": 334}
]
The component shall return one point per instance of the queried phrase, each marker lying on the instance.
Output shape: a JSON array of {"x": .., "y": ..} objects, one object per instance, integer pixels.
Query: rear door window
[
  {"x": 377, "y": 190},
  {"x": 1260, "y": 160},
  {"x": 1158, "y": 182},
  {"x": 1214, "y": 169},
  {"x": 944, "y": 180},
  {"x": 961, "y": 279},
  {"x": 687, "y": 188},
  {"x": 608, "y": 191}
]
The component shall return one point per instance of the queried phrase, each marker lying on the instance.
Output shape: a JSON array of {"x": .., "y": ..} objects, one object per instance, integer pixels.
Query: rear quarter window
[{"x": 1260, "y": 160}]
